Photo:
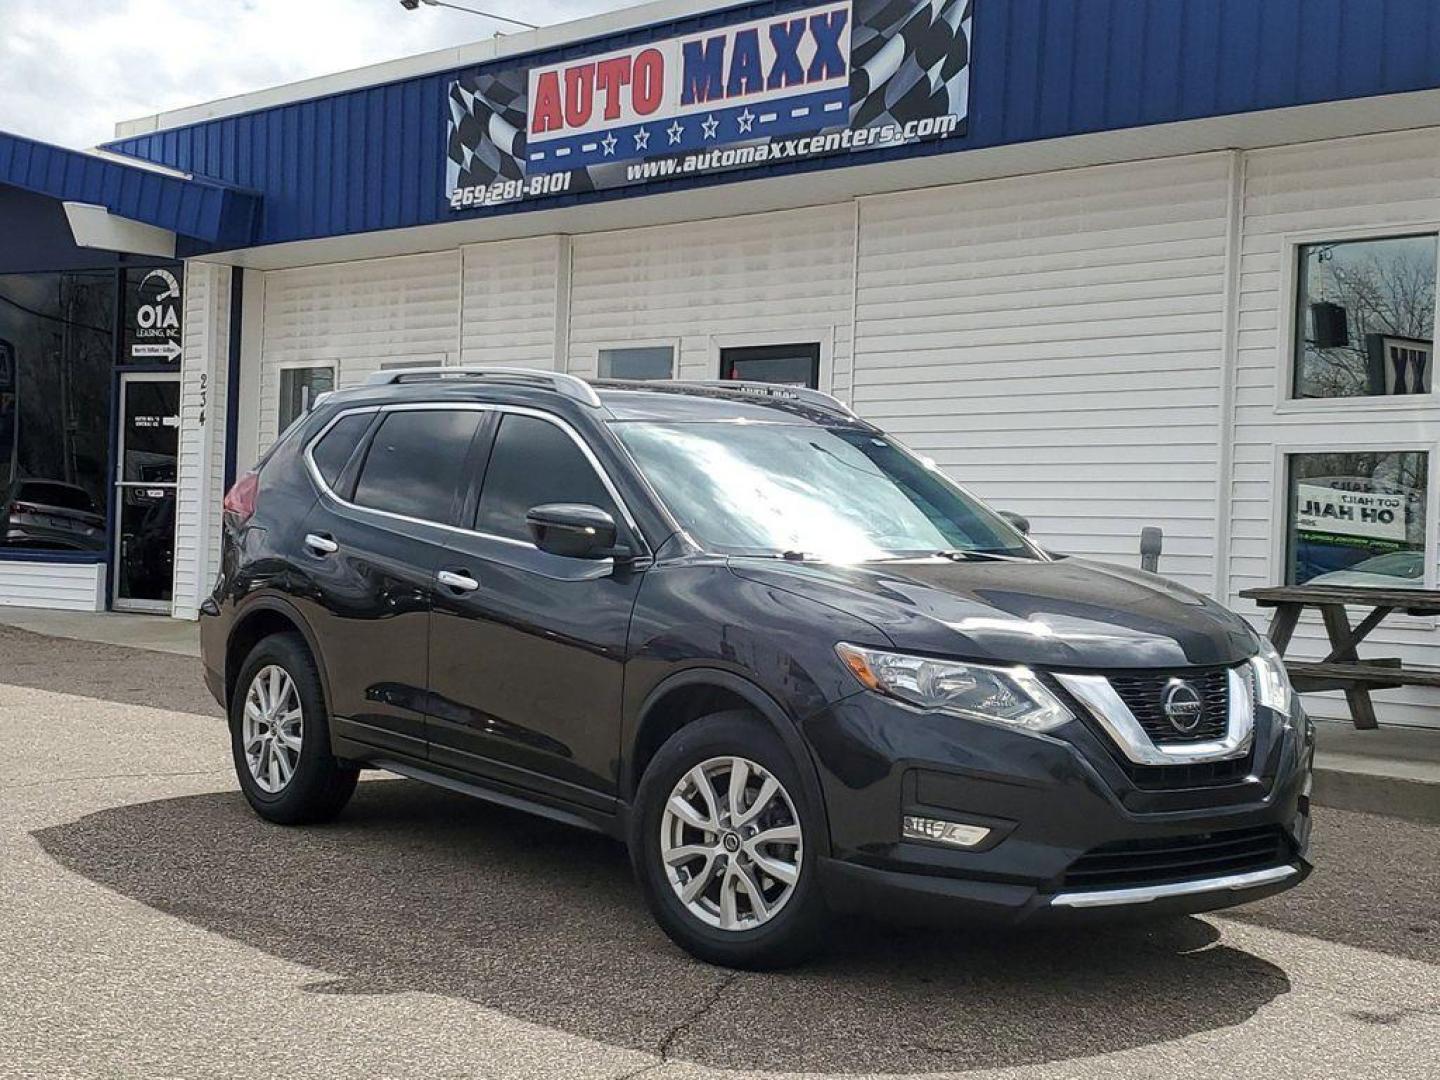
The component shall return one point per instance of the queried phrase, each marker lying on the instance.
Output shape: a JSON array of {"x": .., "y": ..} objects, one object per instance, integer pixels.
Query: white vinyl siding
[
  {"x": 767, "y": 279},
  {"x": 358, "y": 316},
  {"x": 515, "y": 302},
  {"x": 1055, "y": 343},
  {"x": 1376, "y": 185},
  {"x": 57, "y": 586},
  {"x": 204, "y": 366}
]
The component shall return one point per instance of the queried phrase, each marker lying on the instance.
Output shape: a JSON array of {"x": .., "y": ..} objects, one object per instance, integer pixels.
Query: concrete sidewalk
[
  {"x": 158, "y": 633},
  {"x": 1393, "y": 770}
]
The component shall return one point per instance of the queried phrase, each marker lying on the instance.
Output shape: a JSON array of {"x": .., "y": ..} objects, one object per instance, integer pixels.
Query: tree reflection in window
[{"x": 1365, "y": 318}]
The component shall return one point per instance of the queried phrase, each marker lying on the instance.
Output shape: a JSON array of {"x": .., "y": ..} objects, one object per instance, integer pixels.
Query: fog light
[{"x": 942, "y": 832}]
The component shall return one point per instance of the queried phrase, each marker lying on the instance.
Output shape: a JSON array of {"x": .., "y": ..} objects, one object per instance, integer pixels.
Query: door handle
[
  {"x": 320, "y": 544},
  {"x": 457, "y": 581}
]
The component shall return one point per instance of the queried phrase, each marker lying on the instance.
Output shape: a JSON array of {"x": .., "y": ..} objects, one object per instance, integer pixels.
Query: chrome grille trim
[
  {"x": 1099, "y": 698},
  {"x": 1144, "y": 894}
]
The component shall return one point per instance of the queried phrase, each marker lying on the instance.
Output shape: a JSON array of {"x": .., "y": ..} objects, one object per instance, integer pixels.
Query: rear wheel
[
  {"x": 280, "y": 736},
  {"x": 722, "y": 840}
]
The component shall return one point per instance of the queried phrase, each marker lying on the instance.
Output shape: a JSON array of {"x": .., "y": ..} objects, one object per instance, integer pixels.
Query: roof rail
[
  {"x": 816, "y": 399},
  {"x": 569, "y": 385}
]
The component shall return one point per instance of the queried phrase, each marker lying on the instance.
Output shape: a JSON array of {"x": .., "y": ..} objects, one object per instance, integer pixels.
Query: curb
[{"x": 1343, "y": 788}]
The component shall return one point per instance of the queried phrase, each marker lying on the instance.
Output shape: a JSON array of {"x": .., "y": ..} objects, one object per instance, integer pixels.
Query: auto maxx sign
[{"x": 824, "y": 79}]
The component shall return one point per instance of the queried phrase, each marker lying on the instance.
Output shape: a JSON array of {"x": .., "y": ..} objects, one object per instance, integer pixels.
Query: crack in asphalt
[{"x": 684, "y": 1025}]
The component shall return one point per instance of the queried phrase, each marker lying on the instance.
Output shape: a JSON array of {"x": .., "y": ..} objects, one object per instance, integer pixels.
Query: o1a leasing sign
[{"x": 824, "y": 80}]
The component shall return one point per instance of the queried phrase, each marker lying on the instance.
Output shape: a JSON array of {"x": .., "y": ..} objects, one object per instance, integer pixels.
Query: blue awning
[{"x": 212, "y": 214}]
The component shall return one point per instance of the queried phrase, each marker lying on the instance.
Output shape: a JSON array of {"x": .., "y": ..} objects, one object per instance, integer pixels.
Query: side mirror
[
  {"x": 574, "y": 530},
  {"x": 1020, "y": 522}
]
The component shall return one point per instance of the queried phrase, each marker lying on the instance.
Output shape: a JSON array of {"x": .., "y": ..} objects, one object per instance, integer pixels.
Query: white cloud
[{"x": 69, "y": 69}]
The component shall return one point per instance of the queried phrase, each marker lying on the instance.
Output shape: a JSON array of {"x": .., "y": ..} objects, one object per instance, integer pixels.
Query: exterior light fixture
[{"x": 942, "y": 832}]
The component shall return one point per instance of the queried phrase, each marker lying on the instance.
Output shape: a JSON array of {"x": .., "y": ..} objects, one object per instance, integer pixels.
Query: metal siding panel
[
  {"x": 377, "y": 169},
  {"x": 1023, "y": 75},
  {"x": 1041, "y": 69},
  {"x": 1087, "y": 113},
  {"x": 340, "y": 165},
  {"x": 1057, "y": 87},
  {"x": 1122, "y": 59},
  {"x": 410, "y": 120},
  {"x": 1277, "y": 75},
  {"x": 1321, "y": 49},
  {"x": 1160, "y": 76},
  {"x": 1364, "y": 48}
]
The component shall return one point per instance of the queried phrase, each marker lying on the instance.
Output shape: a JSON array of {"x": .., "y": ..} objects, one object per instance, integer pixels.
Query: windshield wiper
[{"x": 967, "y": 554}]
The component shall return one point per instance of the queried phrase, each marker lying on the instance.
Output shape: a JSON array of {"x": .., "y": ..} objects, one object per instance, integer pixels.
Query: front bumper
[{"x": 1048, "y": 801}]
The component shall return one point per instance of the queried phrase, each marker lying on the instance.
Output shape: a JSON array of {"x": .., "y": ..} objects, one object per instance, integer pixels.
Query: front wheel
[
  {"x": 724, "y": 845},
  {"x": 280, "y": 737}
]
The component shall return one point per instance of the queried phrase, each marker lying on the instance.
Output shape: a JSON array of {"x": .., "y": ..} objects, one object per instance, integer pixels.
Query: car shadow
[{"x": 415, "y": 889}]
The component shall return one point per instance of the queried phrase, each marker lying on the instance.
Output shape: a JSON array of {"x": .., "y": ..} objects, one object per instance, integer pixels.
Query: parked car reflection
[
  {"x": 49, "y": 515},
  {"x": 1393, "y": 570}
]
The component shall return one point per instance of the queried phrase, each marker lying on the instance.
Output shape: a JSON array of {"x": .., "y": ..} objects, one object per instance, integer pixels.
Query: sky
[{"x": 69, "y": 69}]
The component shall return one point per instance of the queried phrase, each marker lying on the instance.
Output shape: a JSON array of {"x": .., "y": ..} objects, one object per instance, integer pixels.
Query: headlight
[
  {"x": 1272, "y": 681},
  {"x": 1010, "y": 696}
]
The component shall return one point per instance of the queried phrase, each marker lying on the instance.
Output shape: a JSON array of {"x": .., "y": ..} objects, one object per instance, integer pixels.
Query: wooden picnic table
[{"x": 1343, "y": 669}]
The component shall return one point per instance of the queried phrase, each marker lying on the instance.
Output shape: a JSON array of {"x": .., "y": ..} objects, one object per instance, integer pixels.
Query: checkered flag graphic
[
  {"x": 487, "y": 129},
  {"x": 910, "y": 61}
]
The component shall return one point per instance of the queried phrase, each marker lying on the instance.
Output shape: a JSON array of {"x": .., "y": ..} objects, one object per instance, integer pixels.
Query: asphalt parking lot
[{"x": 153, "y": 927}]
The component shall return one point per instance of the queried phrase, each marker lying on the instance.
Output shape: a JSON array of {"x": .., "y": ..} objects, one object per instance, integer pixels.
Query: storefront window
[
  {"x": 640, "y": 362},
  {"x": 299, "y": 387},
  {"x": 56, "y": 351},
  {"x": 1358, "y": 519},
  {"x": 1365, "y": 318},
  {"x": 784, "y": 365}
]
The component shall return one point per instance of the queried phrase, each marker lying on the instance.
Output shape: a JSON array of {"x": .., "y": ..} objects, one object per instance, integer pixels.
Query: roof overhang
[
  {"x": 119, "y": 202},
  {"x": 1242, "y": 131},
  {"x": 96, "y": 227}
]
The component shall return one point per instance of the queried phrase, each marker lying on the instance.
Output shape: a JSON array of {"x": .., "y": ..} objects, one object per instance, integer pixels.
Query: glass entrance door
[{"x": 147, "y": 468}]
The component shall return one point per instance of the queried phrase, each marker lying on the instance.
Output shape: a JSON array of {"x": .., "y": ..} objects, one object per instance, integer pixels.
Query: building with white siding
[{"x": 1112, "y": 266}]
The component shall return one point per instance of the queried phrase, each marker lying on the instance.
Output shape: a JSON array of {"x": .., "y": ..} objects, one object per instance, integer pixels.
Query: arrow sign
[{"x": 170, "y": 351}]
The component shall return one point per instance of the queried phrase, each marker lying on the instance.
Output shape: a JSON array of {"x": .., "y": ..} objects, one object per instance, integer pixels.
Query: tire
[
  {"x": 315, "y": 785},
  {"x": 793, "y": 926}
]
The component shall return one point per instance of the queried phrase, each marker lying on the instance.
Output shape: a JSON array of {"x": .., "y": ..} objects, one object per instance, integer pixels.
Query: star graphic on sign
[
  {"x": 747, "y": 121},
  {"x": 676, "y": 131},
  {"x": 642, "y": 139},
  {"x": 711, "y": 126},
  {"x": 608, "y": 143}
]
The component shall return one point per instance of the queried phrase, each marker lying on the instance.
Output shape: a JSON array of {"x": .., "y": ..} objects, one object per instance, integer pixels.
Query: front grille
[
  {"x": 1160, "y": 861},
  {"x": 1144, "y": 695},
  {"x": 1180, "y": 777}
]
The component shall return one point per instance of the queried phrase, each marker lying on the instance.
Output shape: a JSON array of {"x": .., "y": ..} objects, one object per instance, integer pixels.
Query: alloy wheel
[
  {"x": 730, "y": 842},
  {"x": 272, "y": 729}
]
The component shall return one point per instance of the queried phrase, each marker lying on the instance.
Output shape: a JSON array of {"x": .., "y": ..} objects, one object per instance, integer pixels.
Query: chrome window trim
[
  {"x": 1107, "y": 707},
  {"x": 1144, "y": 894},
  {"x": 466, "y": 406}
]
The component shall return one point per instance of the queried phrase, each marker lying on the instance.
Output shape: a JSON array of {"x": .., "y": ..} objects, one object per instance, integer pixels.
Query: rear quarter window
[{"x": 335, "y": 448}]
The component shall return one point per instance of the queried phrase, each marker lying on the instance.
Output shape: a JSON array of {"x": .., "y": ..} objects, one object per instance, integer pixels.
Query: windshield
[{"x": 839, "y": 494}]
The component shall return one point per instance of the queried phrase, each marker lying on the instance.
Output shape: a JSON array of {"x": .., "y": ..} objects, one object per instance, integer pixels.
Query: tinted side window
[
  {"x": 332, "y": 452},
  {"x": 416, "y": 463},
  {"x": 533, "y": 463}
]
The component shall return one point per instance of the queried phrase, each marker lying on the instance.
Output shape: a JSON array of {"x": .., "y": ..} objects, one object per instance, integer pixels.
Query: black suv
[{"x": 793, "y": 665}]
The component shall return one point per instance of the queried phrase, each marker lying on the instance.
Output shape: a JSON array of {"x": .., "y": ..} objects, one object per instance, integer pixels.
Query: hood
[{"x": 1069, "y": 613}]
